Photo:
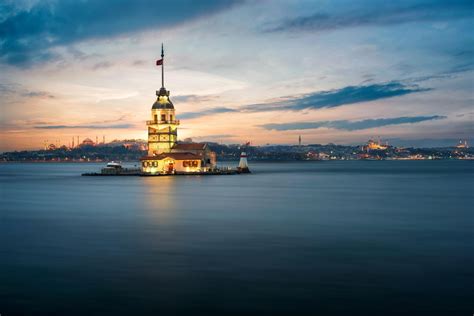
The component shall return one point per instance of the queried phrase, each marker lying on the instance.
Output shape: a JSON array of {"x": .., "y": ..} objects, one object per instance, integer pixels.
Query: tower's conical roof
[{"x": 163, "y": 101}]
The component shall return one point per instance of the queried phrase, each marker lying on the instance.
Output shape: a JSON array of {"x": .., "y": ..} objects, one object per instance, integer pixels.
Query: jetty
[
  {"x": 115, "y": 169},
  {"x": 138, "y": 172}
]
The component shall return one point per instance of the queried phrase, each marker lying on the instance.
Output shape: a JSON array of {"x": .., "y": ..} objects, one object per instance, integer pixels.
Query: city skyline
[{"x": 266, "y": 72}]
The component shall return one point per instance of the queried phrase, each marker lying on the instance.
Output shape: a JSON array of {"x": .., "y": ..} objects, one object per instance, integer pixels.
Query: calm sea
[{"x": 306, "y": 238}]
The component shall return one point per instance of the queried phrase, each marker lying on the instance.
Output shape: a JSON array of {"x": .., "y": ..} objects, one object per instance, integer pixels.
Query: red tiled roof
[
  {"x": 175, "y": 156},
  {"x": 189, "y": 146}
]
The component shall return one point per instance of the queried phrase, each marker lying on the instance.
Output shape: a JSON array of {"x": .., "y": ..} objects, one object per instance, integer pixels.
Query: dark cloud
[
  {"x": 38, "y": 94},
  {"x": 27, "y": 34},
  {"x": 320, "y": 99},
  {"x": 379, "y": 14},
  {"x": 116, "y": 126},
  {"x": 338, "y": 97},
  {"x": 192, "y": 115},
  {"x": 8, "y": 89},
  {"x": 102, "y": 65},
  {"x": 351, "y": 125}
]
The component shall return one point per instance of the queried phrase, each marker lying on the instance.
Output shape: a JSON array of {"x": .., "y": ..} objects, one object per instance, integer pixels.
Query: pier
[{"x": 138, "y": 172}]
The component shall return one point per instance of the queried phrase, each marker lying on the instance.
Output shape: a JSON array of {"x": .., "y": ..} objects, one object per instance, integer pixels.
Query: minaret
[{"x": 163, "y": 127}]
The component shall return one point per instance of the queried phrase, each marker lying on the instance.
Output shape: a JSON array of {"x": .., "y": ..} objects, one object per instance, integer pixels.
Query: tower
[
  {"x": 243, "y": 165},
  {"x": 299, "y": 141},
  {"x": 163, "y": 126}
]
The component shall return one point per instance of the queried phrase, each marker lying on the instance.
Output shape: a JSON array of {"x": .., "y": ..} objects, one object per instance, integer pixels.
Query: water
[{"x": 326, "y": 238}]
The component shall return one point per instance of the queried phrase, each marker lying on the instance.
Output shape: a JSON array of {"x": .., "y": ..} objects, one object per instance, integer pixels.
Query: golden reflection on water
[{"x": 160, "y": 196}]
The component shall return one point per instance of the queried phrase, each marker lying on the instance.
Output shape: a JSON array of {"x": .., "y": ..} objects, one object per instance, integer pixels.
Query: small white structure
[{"x": 243, "y": 166}]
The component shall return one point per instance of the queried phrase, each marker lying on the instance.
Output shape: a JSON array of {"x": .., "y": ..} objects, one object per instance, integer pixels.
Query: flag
[{"x": 159, "y": 62}]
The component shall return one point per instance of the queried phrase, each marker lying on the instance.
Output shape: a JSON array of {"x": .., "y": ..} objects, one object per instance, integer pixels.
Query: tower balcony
[{"x": 174, "y": 122}]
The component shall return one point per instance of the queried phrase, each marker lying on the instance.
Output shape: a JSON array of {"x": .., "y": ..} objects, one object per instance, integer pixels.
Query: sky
[{"x": 332, "y": 71}]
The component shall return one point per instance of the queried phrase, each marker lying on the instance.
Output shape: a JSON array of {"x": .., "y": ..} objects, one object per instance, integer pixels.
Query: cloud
[
  {"x": 139, "y": 62},
  {"x": 320, "y": 99},
  {"x": 337, "y": 97},
  {"x": 116, "y": 126},
  {"x": 378, "y": 15},
  {"x": 102, "y": 65},
  {"x": 192, "y": 115},
  {"x": 28, "y": 34},
  {"x": 8, "y": 89},
  {"x": 194, "y": 98},
  {"x": 38, "y": 94},
  {"x": 351, "y": 125},
  {"x": 216, "y": 137}
]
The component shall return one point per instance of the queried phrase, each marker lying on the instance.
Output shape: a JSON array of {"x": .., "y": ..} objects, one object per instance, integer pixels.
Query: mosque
[{"x": 165, "y": 154}]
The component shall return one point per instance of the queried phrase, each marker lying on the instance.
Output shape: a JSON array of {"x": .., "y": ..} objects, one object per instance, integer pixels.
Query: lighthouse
[{"x": 243, "y": 166}]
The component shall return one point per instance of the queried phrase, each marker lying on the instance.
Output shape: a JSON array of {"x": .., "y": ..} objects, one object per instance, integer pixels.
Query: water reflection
[{"x": 160, "y": 197}]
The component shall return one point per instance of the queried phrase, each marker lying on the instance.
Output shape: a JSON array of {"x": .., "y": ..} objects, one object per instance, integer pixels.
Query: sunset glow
[{"x": 239, "y": 72}]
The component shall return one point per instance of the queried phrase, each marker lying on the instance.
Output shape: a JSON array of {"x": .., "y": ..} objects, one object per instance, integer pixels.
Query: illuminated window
[
  {"x": 190, "y": 163},
  {"x": 163, "y": 117},
  {"x": 156, "y": 117}
]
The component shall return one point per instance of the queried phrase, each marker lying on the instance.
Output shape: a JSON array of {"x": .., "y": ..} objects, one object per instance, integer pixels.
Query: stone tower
[{"x": 163, "y": 126}]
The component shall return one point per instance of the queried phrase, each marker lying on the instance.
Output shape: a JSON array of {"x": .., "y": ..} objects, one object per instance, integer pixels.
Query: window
[
  {"x": 190, "y": 163},
  {"x": 171, "y": 117},
  {"x": 156, "y": 117},
  {"x": 163, "y": 117}
]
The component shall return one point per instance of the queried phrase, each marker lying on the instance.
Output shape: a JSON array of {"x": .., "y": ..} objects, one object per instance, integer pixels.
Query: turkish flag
[{"x": 159, "y": 62}]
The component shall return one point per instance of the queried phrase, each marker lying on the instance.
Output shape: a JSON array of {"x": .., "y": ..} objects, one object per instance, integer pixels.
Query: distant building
[
  {"x": 87, "y": 142},
  {"x": 462, "y": 145},
  {"x": 165, "y": 154},
  {"x": 51, "y": 147},
  {"x": 374, "y": 145}
]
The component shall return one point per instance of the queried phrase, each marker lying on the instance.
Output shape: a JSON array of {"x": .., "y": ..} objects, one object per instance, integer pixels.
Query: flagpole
[{"x": 162, "y": 67}]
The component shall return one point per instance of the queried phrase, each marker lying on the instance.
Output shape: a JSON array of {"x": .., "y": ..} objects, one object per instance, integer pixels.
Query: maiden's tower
[{"x": 165, "y": 153}]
